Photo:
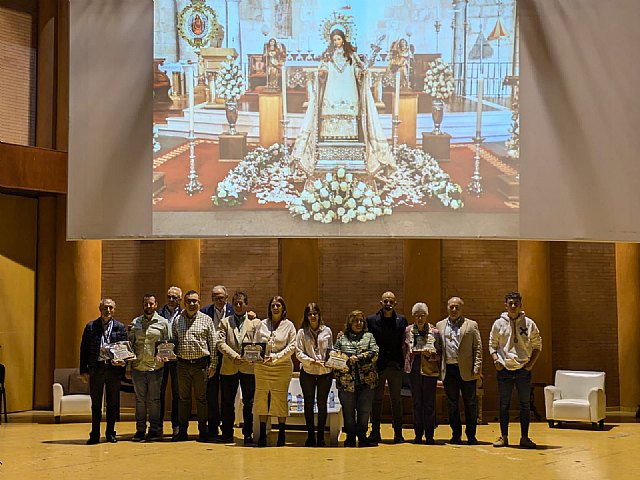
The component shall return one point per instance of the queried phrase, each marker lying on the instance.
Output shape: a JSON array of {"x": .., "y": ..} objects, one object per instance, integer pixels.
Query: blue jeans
[
  {"x": 356, "y": 408},
  {"x": 147, "y": 388},
  {"x": 453, "y": 386},
  {"x": 521, "y": 379}
]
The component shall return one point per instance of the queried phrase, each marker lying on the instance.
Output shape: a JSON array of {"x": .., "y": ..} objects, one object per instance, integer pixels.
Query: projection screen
[{"x": 294, "y": 118}]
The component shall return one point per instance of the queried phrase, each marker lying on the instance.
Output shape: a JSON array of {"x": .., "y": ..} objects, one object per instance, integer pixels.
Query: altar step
[{"x": 348, "y": 155}]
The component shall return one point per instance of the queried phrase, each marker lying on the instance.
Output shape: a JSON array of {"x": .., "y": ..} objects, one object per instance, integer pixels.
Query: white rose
[
  {"x": 341, "y": 211},
  {"x": 317, "y": 184},
  {"x": 370, "y": 216},
  {"x": 324, "y": 193},
  {"x": 306, "y": 216},
  {"x": 317, "y": 217},
  {"x": 346, "y": 219},
  {"x": 356, "y": 193},
  {"x": 316, "y": 207},
  {"x": 343, "y": 186},
  {"x": 329, "y": 177},
  {"x": 338, "y": 199},
  {"x": 361, "y": 209},
  {"x": 349, "y": 177},
  {"x": 387, "y": 210},
  {"x": 351, "y": 203},
  {"x": 367, "y": 202},
  {"x": 341, "y": 172},
  {"x": 361, "y": 218},
  {"x": 335, "y": 186},
  {"x": 326, "y": 204}
]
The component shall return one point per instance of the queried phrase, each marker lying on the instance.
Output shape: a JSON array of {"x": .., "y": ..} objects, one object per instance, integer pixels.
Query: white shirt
[{"x": 452, "y": 340}]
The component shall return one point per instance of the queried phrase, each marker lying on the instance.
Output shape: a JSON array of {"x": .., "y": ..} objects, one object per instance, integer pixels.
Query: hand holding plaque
[
  {"x": 120, "y": 352},
  {"x": 252, "y": 353},
  {"x": 165, "y": 352},
  {"x": 338, "y": 361}
]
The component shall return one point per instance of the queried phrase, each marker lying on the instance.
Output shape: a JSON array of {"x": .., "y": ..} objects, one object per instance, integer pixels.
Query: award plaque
[
  {"x": 165, "y": 351},
  {"x": 337, "y": 360},
  {"x": 252, "y": 353},
  {"x": 120, "y": 351},
  {"x": 425, "y": 343}
]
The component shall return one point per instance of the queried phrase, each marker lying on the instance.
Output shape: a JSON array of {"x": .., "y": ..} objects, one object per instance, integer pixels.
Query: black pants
[
  {"x": 170, "y": 369},
  {"x": 453, "y": 386},
  {"x": 213, "y": 404},
  {"x": 193, "y": 375},
  {"x": 229, "y": 386},
  {"x": 309, "y": 383},
  {"x": 393, "y": 375},
  {"x": 521, "y": 380},
  {"x": 103, "y": 376}
]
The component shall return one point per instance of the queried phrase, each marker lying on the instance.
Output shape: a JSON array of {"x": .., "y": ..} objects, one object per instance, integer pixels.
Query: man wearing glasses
[
  {"x": 217, "y": 310},
  {"x": 196, "y": 339},
  {"x": 171, "y": 310},
  {"x": 514, "y": 345},
  {"x": 461, "y": 367}
]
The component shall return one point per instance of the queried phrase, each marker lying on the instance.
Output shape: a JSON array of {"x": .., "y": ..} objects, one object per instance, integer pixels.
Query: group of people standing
[{"x": 224, "y": 346}]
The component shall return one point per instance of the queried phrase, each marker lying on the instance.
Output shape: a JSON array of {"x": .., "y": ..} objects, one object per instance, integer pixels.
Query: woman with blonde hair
[
  {"x": 277, "y": 334},
  {"x": 356, "y": 384}
]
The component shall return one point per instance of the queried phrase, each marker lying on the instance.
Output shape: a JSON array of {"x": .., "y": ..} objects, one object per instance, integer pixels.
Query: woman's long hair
[
  {"x": 346, "y": 46},
  {"x": 277, "y": 298},
  {"x": 307, "y": 310}
]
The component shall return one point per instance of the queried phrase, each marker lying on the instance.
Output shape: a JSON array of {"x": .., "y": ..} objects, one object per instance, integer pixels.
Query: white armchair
[
  {"x": 576, "y": 396},
  {"x": 70, "y": 394}
]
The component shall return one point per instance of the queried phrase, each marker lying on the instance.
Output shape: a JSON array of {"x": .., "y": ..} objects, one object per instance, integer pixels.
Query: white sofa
[
  {"x": 296, "y": 417},
  {"x": 70, "y": 395},
  {"x": 576, "y": 396}
]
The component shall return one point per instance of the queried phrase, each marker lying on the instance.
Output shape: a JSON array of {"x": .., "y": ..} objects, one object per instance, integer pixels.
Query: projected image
[{"x": 335, "y": 118}]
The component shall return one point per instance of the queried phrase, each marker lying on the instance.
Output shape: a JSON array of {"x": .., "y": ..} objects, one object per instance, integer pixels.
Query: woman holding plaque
[
  {"x": 313, "y": 341},
  {"x": 422, "y": 348},
  {"x": 357, "y": 381},
  {"x": 274, "y": 373}
]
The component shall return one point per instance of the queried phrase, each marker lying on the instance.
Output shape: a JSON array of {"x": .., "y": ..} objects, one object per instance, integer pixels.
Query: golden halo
[{"x": 341, "y": 22}]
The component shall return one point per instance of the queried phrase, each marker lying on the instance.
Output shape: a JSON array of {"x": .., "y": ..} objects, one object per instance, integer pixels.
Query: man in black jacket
[
  {"x": 100, "y": 371},
  {"x": 388, "y": 328}
]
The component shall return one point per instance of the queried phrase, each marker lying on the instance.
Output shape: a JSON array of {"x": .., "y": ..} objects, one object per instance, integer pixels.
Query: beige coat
[
  {"x": 230, "y": 344},
  {"x": 469, "y": 351}
]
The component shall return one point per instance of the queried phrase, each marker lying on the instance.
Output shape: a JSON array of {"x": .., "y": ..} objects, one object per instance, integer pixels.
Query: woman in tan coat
[{"x": 273, "y": 374}]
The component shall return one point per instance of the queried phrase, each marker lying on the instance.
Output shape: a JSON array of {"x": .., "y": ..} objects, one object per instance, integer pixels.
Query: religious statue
[
  {"x": 275, "y": 55},
  {"x": 401, "y": 59},
  {"x": 342, "y": 109}
]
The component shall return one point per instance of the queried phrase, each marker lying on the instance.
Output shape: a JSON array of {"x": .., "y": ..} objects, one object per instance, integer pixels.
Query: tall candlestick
[
  {"x": 284, "y": 91},
  {"x": 479, "y": 107},
  {"x": 396, "y": 105},
  {"x": 190, "y": 80}
]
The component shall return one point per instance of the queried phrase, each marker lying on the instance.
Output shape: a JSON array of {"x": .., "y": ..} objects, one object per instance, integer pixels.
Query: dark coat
[
  {"x": 91, "y": 337},
  {"x": 390, "y": 347}
]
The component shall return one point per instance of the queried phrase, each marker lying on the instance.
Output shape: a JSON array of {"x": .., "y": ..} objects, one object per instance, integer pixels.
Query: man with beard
[
  {"x": 145, "y": 333},
  {"x": 387, "y": 327}
]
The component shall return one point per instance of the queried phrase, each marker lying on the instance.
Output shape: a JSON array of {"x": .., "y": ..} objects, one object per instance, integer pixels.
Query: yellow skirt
[{"x": 272, "y": 380}]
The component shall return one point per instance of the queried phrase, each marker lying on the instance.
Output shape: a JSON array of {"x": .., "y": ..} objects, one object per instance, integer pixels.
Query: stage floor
[{"x": 30, "y": 450}]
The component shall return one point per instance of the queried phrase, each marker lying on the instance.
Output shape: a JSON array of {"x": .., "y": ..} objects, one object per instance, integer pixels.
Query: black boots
[
  {"x": 311, "y": 438},
  {"x": 320, "y": 440},
  {"x": 280, "y": 435},
  {"x": 262, "y": 439}
]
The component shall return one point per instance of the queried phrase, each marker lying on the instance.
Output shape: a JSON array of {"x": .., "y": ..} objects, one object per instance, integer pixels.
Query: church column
[
  {"x": 78, "y": 290},
  {"x": 299, "y": 273},
  {"x": 422, "y": 279},
  {"x": 182, "y": 266},
  {"x": 628, "y": 302},
  {"x": 534, "y": 283}
]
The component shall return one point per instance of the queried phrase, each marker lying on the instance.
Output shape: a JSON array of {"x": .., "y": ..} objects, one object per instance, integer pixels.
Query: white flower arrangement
[
  {"x": 339, "y": 197},
  {"x": 230, "y": 84},
  {"x": 439, "y": 81}
]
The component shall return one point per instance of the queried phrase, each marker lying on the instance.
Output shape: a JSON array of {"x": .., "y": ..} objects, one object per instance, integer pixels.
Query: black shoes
[
  {"x": 111, "y": 438},
  {"x": 138, "y": 437},
  {"x": 374, "y": 437},
  {"x": 93, "y": 441},
  {"x": 472, "y": 441},
  {"x": 224, "y": 439},
  {"x": 248, "y": 440},
  {"x": 350, "y": 442},
  {"x": 397, "y": 436},
  {"x": 429, "y": 441},
  {"x": 455, "y": 441}
]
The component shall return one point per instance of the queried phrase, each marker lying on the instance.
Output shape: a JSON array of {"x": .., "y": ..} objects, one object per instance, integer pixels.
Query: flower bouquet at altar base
[
  {"x": 339, "y": 197},
  {"x": 439, "y": 81},
  {"x": 230, "y": 84},
  {"x": 251, "y": 171},
  {"x": 419, "y": 177}
]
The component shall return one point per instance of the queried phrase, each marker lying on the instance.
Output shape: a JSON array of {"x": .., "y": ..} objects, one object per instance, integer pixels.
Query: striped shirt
[{"x": 196, "y": 337}]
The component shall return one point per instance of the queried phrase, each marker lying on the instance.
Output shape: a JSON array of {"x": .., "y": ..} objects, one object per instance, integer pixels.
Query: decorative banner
[{"x": 198, "y": 24}]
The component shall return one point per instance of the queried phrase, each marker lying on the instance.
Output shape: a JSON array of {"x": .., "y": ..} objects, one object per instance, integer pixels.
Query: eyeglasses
[{"x": 173, "y": 297}]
